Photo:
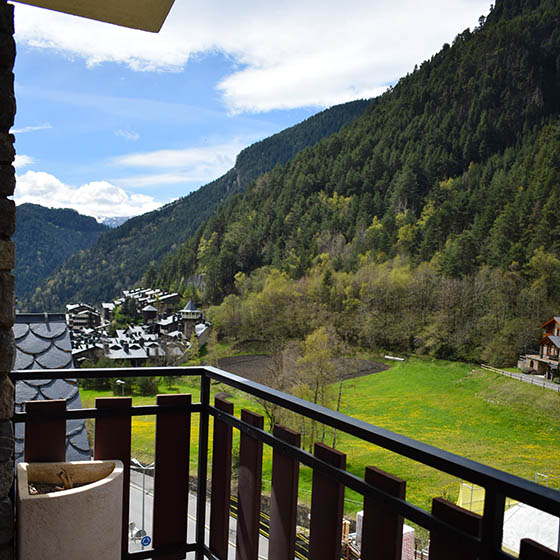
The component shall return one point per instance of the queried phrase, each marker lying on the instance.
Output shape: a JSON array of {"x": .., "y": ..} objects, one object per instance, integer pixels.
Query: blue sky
[{"x": 115, "y": 122}]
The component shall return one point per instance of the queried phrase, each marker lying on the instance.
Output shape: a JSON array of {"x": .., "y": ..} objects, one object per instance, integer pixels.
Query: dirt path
[{"x": 258, "y": 367}]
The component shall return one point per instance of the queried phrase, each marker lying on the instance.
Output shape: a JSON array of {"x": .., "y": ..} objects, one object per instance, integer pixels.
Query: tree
[
  {"x": 194, "y": 348},
  {"x": 316, "y": 370},
  {"x": 212, "y": 354}
]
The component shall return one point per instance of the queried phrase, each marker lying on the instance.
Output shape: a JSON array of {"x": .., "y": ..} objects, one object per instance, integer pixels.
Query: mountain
[
  {"x": 456, "y": 164},
  {"x": 121, "y": 256},
  {"x": 44, "y": 238},
  {"x": 113, "y": 222}
]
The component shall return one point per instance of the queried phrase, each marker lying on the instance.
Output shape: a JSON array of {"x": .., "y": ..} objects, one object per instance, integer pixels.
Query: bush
[
  {"x": 147, "y": 386},
  {"x": 170, "y": 381}
]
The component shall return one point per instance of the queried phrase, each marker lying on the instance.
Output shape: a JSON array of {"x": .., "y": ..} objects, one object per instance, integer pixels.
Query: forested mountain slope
[
  {"x": 45, "y": 237},
  {"x": 458, "y": 164},
  {"x": 123, "y": 255}
]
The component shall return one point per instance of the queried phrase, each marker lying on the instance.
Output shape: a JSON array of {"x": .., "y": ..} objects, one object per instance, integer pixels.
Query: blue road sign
[{"x": 146, "y": 541}]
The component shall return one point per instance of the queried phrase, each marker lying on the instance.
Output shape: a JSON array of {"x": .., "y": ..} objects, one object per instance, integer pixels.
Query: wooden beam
[{"x": 146, "y": 15}]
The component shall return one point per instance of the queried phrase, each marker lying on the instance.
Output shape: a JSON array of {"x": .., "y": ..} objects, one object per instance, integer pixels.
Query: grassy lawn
[
  {"x": 486, "y": 417},
  {"x": 483, "y": 416}
]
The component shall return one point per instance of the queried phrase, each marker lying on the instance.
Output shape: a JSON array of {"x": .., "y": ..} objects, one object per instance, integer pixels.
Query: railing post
[
  {"x": 327, "y": 507},
  {"x": 444, "y": 547},
  {"x": 382, "y": 528},
  {"x": 492, "y": 524},
  {"x": 171, "y": 478},
  {"x": 249, "y": 490},
  {"x": 221, "y": 482},
  {"x": 45, "y": 440},
  {"x": 112, "y": 441},
  {"x": 202, "y": 465},
  {"x": 531, "y": 550},
  {"x": 284, "y": 493}
]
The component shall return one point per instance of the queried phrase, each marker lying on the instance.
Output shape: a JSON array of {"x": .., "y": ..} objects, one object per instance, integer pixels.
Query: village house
[
  {"x": 546, "y": 361},
  {"x": 164, "y": 336},
  {"x": 82, "y": 315}
]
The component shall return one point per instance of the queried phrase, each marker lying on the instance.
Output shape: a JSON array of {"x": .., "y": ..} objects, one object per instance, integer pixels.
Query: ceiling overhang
[{"x": 147, "y": 15}]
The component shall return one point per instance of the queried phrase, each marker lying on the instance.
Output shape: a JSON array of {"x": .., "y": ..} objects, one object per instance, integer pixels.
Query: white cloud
[
  {"x": 22, "y": 161},
  {"x": 44, "y": 126},
  {"x": 97, "y": 198},
  {"x": 289, "y": 53},
  {"x": 198, "y": 164},
  {"x": 127, "y": 135}
]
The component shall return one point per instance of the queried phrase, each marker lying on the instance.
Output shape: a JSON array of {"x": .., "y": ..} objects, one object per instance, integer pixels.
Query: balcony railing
[{"x": 455, "y": 533}]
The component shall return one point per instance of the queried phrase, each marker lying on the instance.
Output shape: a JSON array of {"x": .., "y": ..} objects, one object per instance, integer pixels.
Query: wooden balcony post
[
  {"x": 249, "y": 492},
  {"x": 327, "y": 507},
  {"x": 531, "y": 550},
  {"x": 45, "y": 440},
  {"x": 382, "y": 528},
  {"x": 284, "y": 493},
  {"x": 112, "y": 441},
  {"x": 171, "y": 478},
  {"x": 221, "y": 481},
  {"x": 444, "y": 547}
]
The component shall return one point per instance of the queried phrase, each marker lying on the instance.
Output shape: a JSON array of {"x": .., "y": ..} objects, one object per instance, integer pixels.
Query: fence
[
  {"x": 526, "y": 378},
  {"x": 454, "y": 532}
]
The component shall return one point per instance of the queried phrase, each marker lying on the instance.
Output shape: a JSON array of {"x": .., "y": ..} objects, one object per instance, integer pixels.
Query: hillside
[
  {"x": 44, "y": 238},
  {"x": 121, "y": 257},
  {"x": 456, "y": 164}
]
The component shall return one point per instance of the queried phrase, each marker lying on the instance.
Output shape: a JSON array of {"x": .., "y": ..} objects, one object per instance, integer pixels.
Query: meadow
[{"x": 481, "y": 415}]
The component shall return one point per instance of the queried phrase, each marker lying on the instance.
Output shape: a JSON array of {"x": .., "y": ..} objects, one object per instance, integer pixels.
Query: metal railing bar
[
  {"x": 402, "y": 507},
  {"x": 492, "y": 524},
  {"x": 104, "y": 373},
  {"x": 201, "y": 497},
  {"x": 79, "y": 413},
  {"x": 512, "y": 486},
  {"x": 209, "y": 554}
]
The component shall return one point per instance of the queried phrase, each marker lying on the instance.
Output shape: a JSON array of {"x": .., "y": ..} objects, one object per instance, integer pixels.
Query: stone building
[{"x": 191, "y": 316}]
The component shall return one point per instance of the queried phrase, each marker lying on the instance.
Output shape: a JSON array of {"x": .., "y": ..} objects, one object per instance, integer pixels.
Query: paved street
[
  {"x": 538, "y": 380},
  {"x": 135, "y": 516}
]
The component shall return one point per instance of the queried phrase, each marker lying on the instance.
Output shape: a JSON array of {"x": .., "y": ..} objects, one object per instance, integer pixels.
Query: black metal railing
[{"x": 454, "y": 533}]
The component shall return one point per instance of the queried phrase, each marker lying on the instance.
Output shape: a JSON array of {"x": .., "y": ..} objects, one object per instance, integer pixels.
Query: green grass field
[{"x": 489, "y": 418}]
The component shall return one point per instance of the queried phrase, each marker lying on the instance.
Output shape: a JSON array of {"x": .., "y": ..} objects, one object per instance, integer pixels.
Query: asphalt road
[
  {"x": 135, "y": 516},
  {"x": 537, "y": 380}
]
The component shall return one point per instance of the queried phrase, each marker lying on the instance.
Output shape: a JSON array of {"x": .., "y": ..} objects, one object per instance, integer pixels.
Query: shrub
[{"x": 147, "y": 385}]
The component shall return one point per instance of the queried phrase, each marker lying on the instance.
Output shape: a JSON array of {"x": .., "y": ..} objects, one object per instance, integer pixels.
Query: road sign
[{"x": 146, "y": 541}]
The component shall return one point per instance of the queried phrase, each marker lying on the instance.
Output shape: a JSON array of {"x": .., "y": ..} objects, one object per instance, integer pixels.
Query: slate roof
[
  {"x": 555, "y": 318},
  {"x": 190, "y": 306},
  {"x": 173, "y": 295},
  {"x": 555, "y": 340},
  {"x": 171, "y": 320},
  {"x": 43, "y": 342}
]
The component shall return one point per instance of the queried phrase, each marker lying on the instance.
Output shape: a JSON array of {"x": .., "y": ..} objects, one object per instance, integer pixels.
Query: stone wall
[{"x": 7, "y": 253}]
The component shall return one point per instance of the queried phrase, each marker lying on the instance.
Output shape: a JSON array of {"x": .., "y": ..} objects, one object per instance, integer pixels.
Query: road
[
  {"x": 135, "y": 516},
  {"x": 538, "y": 380}
]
